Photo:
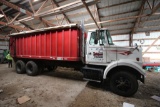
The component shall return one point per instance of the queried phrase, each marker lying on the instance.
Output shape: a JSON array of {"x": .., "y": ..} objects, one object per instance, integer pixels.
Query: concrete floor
[
  {"x": 66, "y": 88},
  {"x": 49, "y": 89}
]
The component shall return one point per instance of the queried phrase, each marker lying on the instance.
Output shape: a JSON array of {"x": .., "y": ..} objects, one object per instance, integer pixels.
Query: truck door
[{"x": 95, "y": 51}]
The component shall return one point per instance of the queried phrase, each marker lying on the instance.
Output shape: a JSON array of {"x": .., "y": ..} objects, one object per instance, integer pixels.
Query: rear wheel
[
  {"x": 20, "y": 67},
  {"x": 124, "y": 84},
  {"x": 31, "y": 68}
]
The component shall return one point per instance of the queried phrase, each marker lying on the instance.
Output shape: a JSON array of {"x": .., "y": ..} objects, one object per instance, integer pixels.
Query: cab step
[{"x": 92, "y": 74}]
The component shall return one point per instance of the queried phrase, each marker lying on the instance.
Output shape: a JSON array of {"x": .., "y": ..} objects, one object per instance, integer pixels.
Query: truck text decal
[{"x": 98, "y": 54}]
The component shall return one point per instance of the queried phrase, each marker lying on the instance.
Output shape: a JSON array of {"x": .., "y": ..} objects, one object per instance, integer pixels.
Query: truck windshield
[
  {"x": 101, "y": 37},
  {"x": 109, "y": 38}
]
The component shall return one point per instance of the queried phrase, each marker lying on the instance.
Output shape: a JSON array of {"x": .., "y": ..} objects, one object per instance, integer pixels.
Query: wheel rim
[{"x": 122, "y": 84}]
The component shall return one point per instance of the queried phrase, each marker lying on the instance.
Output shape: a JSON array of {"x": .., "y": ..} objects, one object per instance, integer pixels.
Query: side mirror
[{"x": 95, "y": 41}]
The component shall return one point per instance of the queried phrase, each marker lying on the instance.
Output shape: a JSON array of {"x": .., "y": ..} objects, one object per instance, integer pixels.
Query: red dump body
[{"x": 56, "y": 43}]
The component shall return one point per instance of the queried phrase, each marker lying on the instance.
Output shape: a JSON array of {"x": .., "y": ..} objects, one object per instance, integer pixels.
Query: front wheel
[{"x": 124, "y": 84}]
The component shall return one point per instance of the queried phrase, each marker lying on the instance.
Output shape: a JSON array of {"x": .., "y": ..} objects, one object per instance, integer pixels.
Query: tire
[
  {"x": 20, "y": 67},
  {"x": 32, "y": 68},
  {"x": 124, "y": 84}
]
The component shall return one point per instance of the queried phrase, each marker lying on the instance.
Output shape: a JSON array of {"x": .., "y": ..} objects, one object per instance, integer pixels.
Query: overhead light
[
  {"x": 1, "y": 15},
  {"x": 35, "y": 0}
]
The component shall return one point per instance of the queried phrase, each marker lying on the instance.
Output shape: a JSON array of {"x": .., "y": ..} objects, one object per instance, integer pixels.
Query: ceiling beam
[
  {"x": 25, "y": 11},
  {"x": 13, "y": 26},
  {"x": 122, "y": 13},
  {"x": 31, "y": 5},
  {"x": 155, "y": 9},
  {"x": 85, "y": 13},
  {"x": 119, "y": 29},
  {"x": 126, "y": 18},
  {"x": 81, "y": 6},
  {"x": 23, "y": 23},
  {"x": 150, "y": 6},
  {"x": 137, "y": 20},
  {"x": 14, "y": 19},
  {"x": 27, "y": 26},
  {"x": 119, "y": 34},
  {"x": 145, "y": 27},
  {"x": 26, "y": 4},
  {"x": 153, "y": 3},
  {"x": 127, "y": 23},
  {"x": 85, "y": 5},
  {"x": 82, "y": 13},
  {"x": 51, "y": 11},
  {"x": 119, "y": 19},
  {"x": 7, "y": 19},
  {"x": 153, "y": 20},
  {"x": 7, "y": 8},
  {"x": 98, "y": 15},
  {"x": 56, "y": 11},
  {"x": 41, "y": 7},
  {"x": 65, "y": 16},
  {"x": 121, "y": 24},
  {"x": 4, "y": 15},
  {"x": 118, "y": 4},
  {"x": 151, "y": 45}
]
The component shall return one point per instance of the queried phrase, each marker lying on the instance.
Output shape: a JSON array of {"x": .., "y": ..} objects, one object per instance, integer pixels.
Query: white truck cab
[{"x": 122, "y": 65}]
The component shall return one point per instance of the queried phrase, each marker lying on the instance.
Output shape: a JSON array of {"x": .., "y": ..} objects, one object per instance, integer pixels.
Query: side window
[
  {"x": 101, "y": 38},
  {"x": 93, "y": 37},
  {"x": 110, "y": 42}
]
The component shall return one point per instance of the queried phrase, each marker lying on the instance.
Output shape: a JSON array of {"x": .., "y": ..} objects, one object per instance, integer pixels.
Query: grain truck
[{"x": 92, "y": 53}]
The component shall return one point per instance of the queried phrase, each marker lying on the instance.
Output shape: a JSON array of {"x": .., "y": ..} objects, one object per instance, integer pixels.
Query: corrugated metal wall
[
  {"x": 3, "y": 46},
  {"x": 142, "y": 41}
]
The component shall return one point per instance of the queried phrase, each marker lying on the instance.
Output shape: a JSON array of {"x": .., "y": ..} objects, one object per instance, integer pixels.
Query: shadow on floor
[
  {"x": 100, "y": 86},
  {"x": 65, "y": 73}
]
